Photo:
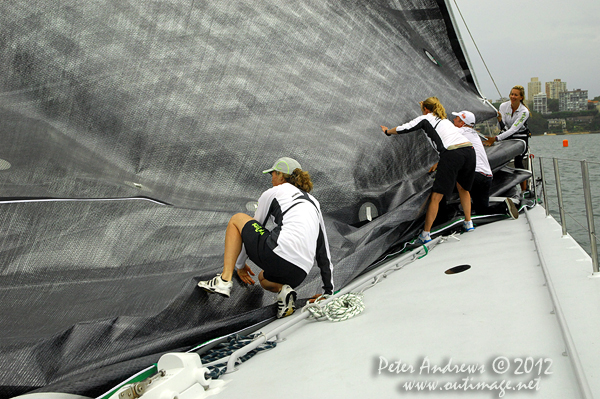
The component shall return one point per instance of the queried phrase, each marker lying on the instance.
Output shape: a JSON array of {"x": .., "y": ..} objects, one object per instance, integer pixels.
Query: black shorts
[
  {"x": 519, "y": 158},
  {"x": 455, "y": 166},
  {"x": 275, "y": 268},
  {"x": 480, "y": 193}
]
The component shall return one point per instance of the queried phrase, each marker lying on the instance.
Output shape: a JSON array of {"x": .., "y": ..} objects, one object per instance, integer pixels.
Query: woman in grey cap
[{"x": 287, "y": 252}]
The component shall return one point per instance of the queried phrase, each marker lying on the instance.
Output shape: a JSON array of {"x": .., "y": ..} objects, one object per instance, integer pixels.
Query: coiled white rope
[
  {"x": 351, "y": 304},
  {"x": 340, "y": 309}
]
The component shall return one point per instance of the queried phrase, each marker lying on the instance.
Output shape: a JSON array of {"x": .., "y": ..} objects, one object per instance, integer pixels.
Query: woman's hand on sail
[
  {"x": 489, "y": 142},
  {"x": 245, "y": 273}
]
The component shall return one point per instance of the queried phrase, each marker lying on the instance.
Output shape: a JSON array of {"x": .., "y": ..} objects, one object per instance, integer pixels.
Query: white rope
[
  {"x": 453, "y": 235},
  {"x": 340, "y": 309},
  {"x": 351, "y": 304}
]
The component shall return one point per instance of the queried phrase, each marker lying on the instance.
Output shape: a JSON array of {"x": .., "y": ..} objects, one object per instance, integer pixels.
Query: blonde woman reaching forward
[
  {"x": 457, "y": 160},
  {"x": 287, "y": 252}
]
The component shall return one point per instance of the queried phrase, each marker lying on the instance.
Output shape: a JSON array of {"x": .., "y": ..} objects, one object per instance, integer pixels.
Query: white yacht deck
[{"x": 501, "y": 309}]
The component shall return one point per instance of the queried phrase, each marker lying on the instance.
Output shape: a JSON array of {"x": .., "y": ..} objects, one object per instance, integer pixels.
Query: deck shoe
[
  {"x": 286, "y": 301},
  {"x": 217, "y": 285},
  {"x": 424, "y": 237},
  {"x": 468, "y": 226},
  {"x": 513, "y": 212}
]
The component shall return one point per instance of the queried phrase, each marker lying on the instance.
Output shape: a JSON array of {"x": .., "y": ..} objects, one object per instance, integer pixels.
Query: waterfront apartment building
[
  {"x": 534, "y": 87},
  {"x": 540, "y": 103},
  {"x": 576, "y": 100},
  {"x": 557, "y": 124},
  {"x": 554, "y": 88}
]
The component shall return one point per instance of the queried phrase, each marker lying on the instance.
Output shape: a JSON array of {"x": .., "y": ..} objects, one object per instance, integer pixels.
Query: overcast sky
[{"x": 548, "y": 39}]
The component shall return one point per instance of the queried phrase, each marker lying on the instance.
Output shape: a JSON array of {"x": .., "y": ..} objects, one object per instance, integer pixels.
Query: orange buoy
[{"x": 565, "y": 143}]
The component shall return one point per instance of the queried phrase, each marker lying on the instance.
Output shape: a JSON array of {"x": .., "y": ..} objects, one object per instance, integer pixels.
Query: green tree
[
  {"x": 570, "y": 114},
  {"x": 595, "y": 123},
  {"x": 592, "y": 105},
  {"x": 537, "y": 123},
  {"x": 552, "y": 105},
  {"x": 555, "y": 129}
]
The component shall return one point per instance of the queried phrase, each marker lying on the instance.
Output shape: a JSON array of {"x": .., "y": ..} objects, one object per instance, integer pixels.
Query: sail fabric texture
[{"x": 134, "y": 130}]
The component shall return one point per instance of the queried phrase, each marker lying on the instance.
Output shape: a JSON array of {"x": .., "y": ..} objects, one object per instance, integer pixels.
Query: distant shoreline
[{"x": 563, "y": 134}]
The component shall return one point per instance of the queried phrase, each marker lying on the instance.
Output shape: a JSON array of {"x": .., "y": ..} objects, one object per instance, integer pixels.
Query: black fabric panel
[
  {"x": 504, "y": 151},
  {"x": 505, "y": 181}
]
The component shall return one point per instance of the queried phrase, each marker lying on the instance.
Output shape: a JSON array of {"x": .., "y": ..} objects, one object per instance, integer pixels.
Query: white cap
[
  {"x": 467, "y": 117},
  {"x": 285, "y": 165}
]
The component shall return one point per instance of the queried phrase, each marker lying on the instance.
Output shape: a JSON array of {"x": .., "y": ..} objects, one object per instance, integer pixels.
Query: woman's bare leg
[
  {"x": 465, "y": 201},
  {"x": 233, "y": 243},
  {"x": 269, "y": 285},
  {"x": 432, "y": 210}
]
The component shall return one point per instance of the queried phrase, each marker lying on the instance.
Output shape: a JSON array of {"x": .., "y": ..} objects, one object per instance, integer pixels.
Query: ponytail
[
  {"x": 435, "y": 106},
  {"x": 300, "y": 179}
]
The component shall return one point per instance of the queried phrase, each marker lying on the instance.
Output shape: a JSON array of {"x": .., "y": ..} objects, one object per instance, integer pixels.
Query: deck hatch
[{"x": 458, "y": 269}]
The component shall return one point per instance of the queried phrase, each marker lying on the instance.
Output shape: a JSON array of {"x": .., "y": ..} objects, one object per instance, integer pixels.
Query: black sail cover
[{"x": 133, "y": 130}]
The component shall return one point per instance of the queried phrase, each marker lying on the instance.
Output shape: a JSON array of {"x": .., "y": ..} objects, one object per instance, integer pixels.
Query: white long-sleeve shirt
[
  {"x": 513, "y": 123},
  {"x": 299, "y": 234},
  {"x": 441, "y": 132},
  {"x": 482, "y": 165}
]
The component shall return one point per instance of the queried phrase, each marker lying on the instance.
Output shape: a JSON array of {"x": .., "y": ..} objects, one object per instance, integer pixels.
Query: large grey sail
[{"x": 105, "y": 105}]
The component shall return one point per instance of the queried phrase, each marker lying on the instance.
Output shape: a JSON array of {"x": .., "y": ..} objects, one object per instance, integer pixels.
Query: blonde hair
[
  {"x": 300, "y": 179},
  {"x": 521, "y": 92},
  {"x": 435, "y": 106}
]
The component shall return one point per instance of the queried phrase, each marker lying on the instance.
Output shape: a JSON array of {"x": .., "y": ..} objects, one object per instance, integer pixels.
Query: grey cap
[{"x": 285, "y": 165}]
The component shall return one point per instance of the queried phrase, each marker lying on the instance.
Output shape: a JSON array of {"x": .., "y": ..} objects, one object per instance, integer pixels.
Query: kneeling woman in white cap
[{"x": 287, "y": 252}]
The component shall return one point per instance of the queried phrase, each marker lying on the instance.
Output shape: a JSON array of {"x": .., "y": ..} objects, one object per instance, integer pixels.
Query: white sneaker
[
  {"x": 424, "y": 237},
  {"x": 286, "y": 299},
  {"x": 217, "y": 285},
  {"x": 513, "y": 212},
  {"x": 468, "y": 226}
]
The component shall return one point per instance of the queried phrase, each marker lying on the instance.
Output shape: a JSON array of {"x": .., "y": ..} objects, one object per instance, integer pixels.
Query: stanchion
[
  {"x": 587, "y": 194},
  {"x": 546, "y": 204},
  {"x": 561, "y": 209}
]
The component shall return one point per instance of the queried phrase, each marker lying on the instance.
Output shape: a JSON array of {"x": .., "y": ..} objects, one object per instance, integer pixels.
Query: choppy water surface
[{"x": 580, "y": 147}]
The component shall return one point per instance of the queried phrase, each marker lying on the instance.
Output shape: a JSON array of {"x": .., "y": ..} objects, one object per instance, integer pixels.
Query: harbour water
[{"x": 580, "y": 147}]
